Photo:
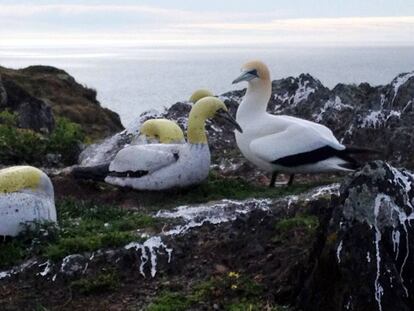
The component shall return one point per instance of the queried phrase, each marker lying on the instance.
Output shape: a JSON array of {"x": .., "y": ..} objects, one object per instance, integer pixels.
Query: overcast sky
[{"x": 209, "y": 22}]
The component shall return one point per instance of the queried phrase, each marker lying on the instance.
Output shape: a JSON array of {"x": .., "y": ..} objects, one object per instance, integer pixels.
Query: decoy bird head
[
  {"x": 212, "y": 107},
  {"x": 253, "y": 71},
  {"x": 199, "y": 94},
  {"x": 163, "y": 130},
  {"x": 17, "y": 178}
]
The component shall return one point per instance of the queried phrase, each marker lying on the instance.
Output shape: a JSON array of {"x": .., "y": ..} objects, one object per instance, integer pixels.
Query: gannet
[
  {"x": 26, "y": 195},
  {"x": 280, "y": 143},
  {"x": 165, "y": 166}
]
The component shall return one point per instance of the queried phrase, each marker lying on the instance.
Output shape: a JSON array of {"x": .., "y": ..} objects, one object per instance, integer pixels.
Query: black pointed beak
[
  {"x": 225, "y": 115},
  {"x": 245, "y": 76}
]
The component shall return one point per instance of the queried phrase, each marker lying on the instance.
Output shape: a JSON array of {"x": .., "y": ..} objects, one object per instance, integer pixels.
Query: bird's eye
[{"x": 253, "y": 72}]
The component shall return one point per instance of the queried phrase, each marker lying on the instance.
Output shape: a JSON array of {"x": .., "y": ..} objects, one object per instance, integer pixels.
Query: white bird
[
  {"x": 280, "y": 143},
  {"x": 165, "y": 166},
  {"x": 26, "y": 195}
]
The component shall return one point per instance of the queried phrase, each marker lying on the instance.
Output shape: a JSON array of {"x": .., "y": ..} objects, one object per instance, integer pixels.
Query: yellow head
[
  {"x": 206, "y": 108},
  {"x": 163, "y": 130},
  {"x": 199, "y": 94},
  {"x": 17, "y": 178},
  {"x": 253, "y": 70}
]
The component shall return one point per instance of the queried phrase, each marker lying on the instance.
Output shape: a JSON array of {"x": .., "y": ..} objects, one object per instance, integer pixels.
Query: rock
[
  {"x": 73, "y": 265},
  {"x": 3, "y": 94},
  {"x": 37, "y": 91},
  {"x": 364, "y": 261},
  {"x": 105, "y": 150},
  {"x": 33, "y": 113}
]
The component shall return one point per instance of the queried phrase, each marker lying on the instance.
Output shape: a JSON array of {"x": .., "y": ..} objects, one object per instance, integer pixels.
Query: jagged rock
[
  {"x": 33, "y": 113},
  {"x": 364, "y": 261},
  {"x": 3, "y": 94},
  {"x": 105, "y": 150},
  {"x": 32, "y": 89},
  {"x": 73, "y": 265}
]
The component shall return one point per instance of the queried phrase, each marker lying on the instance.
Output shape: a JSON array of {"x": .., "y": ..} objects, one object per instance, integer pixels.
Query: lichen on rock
[{"x": 367, "y": 266}]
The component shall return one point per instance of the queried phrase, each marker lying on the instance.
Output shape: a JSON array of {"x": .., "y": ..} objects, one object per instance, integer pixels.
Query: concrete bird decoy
[
  {"x": 280, "y": 143},
  {"x": 26, "y": 195},
  {"x": 199, "y": 94},
  {"x": 165, "y": 166},
  {"x": 165, "y": 131},
  {"x": 159, "y": 131}
]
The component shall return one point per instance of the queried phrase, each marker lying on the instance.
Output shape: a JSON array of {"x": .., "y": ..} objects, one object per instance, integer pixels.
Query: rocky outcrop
[
  {"x": 3, "y": 94},
  {"x": 335, "y": 247},
  {"x": 37, "y": 91},
  {"x": 33, "y": 113},
  {"x": 364, "y": 262}
]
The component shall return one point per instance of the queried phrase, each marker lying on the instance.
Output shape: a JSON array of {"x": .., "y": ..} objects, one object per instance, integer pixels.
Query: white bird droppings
[
  {"x": 220, "y": 212},
  {"x": 153, "y": 244},
  {"x": 338, "y": 251}
]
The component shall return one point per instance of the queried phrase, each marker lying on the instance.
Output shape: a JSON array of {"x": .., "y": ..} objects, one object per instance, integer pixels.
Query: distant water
[{"x": 132, "y": 80}]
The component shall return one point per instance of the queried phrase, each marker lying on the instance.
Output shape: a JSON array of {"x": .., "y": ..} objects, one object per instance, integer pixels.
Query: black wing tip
[
  {"x": 96, "y": 173},
  {"x": 128, "y": 174},
  {"x": 308, "y": 157}
]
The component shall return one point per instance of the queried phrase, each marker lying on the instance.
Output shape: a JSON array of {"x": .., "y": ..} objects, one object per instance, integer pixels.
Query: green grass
[
  {"x": 83, "y": 226},
  {"x": 103, "y": 282},
  {"x": 169, "y": 301},
  {"x": 11, "y": 253},
  {"x": 88, "y": 226},
  {"x": 26, "y": 146},
  {"x": 307, "y": 222},
  {"x": 217, "y": 188},
  {"x": 232, "y": 292}
]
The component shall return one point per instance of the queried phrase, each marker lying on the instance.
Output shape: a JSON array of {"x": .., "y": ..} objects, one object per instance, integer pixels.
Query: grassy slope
[
  {"x": 90, "y": 225},
  {"x": 67, "y": 98}
]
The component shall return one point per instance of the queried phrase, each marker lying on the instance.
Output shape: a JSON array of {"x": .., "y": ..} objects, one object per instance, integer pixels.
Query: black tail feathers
[
  {"x": 353, "y": 163},
  {"x": 358, "y": 150},
  {"x": 97, "y": 173}
]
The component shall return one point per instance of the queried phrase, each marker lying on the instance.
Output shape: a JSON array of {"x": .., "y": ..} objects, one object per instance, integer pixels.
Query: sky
[{"x": 67, "y": 23}]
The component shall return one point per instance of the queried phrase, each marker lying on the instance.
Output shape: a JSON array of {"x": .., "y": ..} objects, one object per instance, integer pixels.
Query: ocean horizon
[{"x": 130, "y": 81}]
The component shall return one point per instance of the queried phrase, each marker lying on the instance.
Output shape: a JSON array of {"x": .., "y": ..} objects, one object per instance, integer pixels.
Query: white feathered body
[
  {"x": 164, "y": 166},
  {"x": 267, "y": 137}
]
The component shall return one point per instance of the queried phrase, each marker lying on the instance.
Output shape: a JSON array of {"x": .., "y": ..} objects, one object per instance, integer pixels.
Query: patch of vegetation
[
  {"x": 169, "y": 301},
  {"x": 83, "y": 226},
  {"x": 65, "y": 140},
  {"x": 232, "y": 288},
  {"x": 103, "y": 282},
  {"x": 8, "y": 118},
  {"x": 94, "y": 241},
  {"x": 231, "y": 292},
  {"x": 26, "y": 146},
  {"x": 303, "y": 226},
  {"x": 217, "y": 187},
  {"x": 10, "y": 252},
  {"x": 307, "y": 222}
]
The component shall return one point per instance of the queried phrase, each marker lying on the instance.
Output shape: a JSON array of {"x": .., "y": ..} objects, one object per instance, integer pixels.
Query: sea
[{"x": 131, "y": 80}]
